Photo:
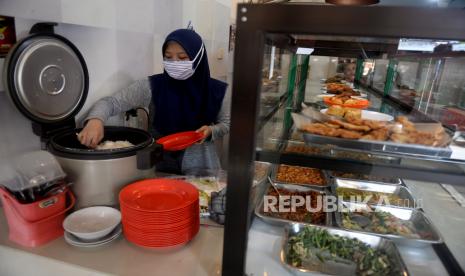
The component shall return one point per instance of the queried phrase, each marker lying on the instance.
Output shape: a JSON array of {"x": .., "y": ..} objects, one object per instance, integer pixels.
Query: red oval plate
[
  {"x": 180, "y": 141},
  {"x": 158, "y": 195}
]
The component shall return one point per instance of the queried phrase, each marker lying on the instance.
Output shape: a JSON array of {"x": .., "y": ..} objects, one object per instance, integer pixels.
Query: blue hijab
[{"x": 183, "y": 105}]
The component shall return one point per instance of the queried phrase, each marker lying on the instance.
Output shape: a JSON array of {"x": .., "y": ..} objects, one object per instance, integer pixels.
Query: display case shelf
[{"x": 267, "y": 138}]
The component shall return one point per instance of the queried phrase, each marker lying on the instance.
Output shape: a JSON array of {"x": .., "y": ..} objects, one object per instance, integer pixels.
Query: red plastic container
[
  {"x": 36, "y": 223},
  {"x": 40, "y": 209}
]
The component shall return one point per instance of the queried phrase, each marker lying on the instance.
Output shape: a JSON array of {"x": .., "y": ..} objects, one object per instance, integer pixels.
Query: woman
[
  {"x": 349, "y": 71},
  {"x": 183, "y": 98}
]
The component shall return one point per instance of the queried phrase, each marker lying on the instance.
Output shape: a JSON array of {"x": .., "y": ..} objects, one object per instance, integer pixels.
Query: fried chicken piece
[
  {"x": 321, "y": 129},
  {"x": 349, "y": 134},
  {"x": 403, "y": 138},
  {"x": 407, "y": 125},
  {"x": 375, "y": 124},
  {"x": 355, "y": 121},
  {"x": 350, "y": 126},
  {"x": 381, "y": 134},
  {"x": 410, "y": 135},
  {"x": 372, "y": 124},
  {"x": 423, "y": 138},
  {"x": 326, "y": 130},
  {"x": 332, "y": 125},
  {"x": 415, "y": 137}
]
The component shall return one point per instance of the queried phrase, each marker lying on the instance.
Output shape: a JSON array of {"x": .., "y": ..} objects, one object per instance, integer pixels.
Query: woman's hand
[
  {"x": 92, "y": 133},
  {"x": 206, "y": 131}
]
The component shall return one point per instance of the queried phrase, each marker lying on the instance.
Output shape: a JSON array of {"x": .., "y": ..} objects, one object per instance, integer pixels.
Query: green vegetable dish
[{"x": 318, "y": 247}]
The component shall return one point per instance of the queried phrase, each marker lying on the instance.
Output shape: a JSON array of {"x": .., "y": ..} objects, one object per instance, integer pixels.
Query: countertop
[{"x": 202, "y": 256}]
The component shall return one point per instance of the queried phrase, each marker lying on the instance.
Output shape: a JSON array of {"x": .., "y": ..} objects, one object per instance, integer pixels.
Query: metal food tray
[
  {"x": 268, "y": 169},
  {"x": 333, "y": 268},
  {"x": 402, "y": 192},
  {"x": 389, "y": 180},
  {"x": 274, "y": 171},
  {"x": 323, "y": 149},
  {"x": 296, "y": 135},
  {"x": 378, "y": 146},
  {"x": 339, "y": 153},
  {"x": 420, "y": 222},
  {"x": 272, "y": 144},
  {"x": 259, "y": 186},
  {"x": 259, "y": 212}
]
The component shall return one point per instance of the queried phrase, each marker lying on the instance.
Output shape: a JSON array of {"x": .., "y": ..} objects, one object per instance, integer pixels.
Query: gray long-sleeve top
[{"x": 138, "y": 94}]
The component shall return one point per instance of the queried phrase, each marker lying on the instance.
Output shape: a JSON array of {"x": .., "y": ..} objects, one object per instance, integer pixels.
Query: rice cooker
[{"x": 47, "y": 80}]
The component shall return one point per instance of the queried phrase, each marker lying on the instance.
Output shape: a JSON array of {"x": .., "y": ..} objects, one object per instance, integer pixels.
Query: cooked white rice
[{"x": 106, "y": 145}]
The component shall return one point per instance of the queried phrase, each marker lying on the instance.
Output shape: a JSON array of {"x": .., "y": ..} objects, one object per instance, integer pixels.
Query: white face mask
[{"x": 182, "y": 69}]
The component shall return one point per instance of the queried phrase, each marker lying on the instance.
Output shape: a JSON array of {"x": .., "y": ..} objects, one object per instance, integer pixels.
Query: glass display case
[
  {"x": 355, "y": 115},
  {"x": 431, "y": 83}
]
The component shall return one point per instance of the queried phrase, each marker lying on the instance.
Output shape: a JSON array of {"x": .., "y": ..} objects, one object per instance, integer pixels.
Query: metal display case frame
[{"x": 253, "y": 23}]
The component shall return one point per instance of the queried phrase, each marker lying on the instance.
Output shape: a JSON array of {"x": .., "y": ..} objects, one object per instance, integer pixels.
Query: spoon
[
  {"x": 274, "y": 185},
  {"x": 362, "y": 221},
  {"x": 58, "y": 189}
]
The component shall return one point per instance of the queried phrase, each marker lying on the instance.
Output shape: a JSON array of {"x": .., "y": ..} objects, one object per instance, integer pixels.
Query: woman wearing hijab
[{"x": 183, "y": 98}]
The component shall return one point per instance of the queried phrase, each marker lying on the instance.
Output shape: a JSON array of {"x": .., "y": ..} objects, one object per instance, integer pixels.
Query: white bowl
[{"x": 93, "y": 222}]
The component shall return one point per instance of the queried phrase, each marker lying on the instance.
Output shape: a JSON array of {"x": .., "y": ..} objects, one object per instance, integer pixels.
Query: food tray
[
  {"x": 267, "y": 167},
  {"x": 421, "y": 224},
  {"x": 271, "y": 144},
  {"x": 378, "y": 146},
  {"x": 309, "y": 149},
  {"x": 296, "y": 135},
  {"x": 259, "y": 209},
  {"x": 259, "y": 186},
  {"x": 334, "y": 268},
  {"x": 386, "y": 179},
  {"x": 325, "y": 175},
  {"x": 402, "y": 192},
  {"x": 364, "y": 156}
]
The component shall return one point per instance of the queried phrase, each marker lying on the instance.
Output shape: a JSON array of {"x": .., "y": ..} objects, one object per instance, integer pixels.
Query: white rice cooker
[{"x": 47, "y": 80}]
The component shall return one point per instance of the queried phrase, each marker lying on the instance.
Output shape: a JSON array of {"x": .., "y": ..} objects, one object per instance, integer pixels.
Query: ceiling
[{"x": 419, "y": 3}]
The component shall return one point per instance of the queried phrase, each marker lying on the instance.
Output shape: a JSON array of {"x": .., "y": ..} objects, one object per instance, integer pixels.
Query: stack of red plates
[{"x": 160, "y": 212}]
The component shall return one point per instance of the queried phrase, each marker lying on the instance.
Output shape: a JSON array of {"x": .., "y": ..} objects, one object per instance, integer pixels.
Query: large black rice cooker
[{"x": 46, "y": 78}]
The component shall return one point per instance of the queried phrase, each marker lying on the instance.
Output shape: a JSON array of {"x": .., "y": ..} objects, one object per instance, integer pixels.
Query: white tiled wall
[
  {"x": 211, "y": 19},
  {"x": 322, "y": 68},
  {"x": 120, "y": 40},
  {"x": 15, "y": 131},
  {"x": 41, "y": 9}
]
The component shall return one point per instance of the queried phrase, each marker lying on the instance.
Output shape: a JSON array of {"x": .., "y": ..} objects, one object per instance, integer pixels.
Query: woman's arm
[
  {"x": 135, "y": 95},
  {"x": 221, "y": 128}
]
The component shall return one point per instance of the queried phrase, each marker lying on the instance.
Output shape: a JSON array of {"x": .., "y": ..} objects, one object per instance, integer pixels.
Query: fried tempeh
[
  {"x": 349, "y": 134},
  {"x": 381, "y": 134},
  {"x": 320, "y": 129},
  {"x": 350, "y": 126},
  {"x": 372, "y": 124},
  {"x": 375, "y": 130}
]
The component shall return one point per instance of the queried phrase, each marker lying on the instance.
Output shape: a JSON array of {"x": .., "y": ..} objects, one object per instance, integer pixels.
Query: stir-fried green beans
[{"x": 315, "y": 242}]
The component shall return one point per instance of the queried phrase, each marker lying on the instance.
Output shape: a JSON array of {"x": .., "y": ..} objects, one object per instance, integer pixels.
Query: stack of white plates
[
  {"x": 93, "y": 226},
  {"x": 75, "y": 241}
]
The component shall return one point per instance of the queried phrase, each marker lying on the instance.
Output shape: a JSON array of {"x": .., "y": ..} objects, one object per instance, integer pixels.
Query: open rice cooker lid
[{"x": 46, "y": 77}]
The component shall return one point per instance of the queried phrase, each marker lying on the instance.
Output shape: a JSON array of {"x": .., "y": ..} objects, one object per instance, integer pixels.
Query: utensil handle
[
  {"x": 149, "y": 156},
  {"x": 71, "y": 205}
]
